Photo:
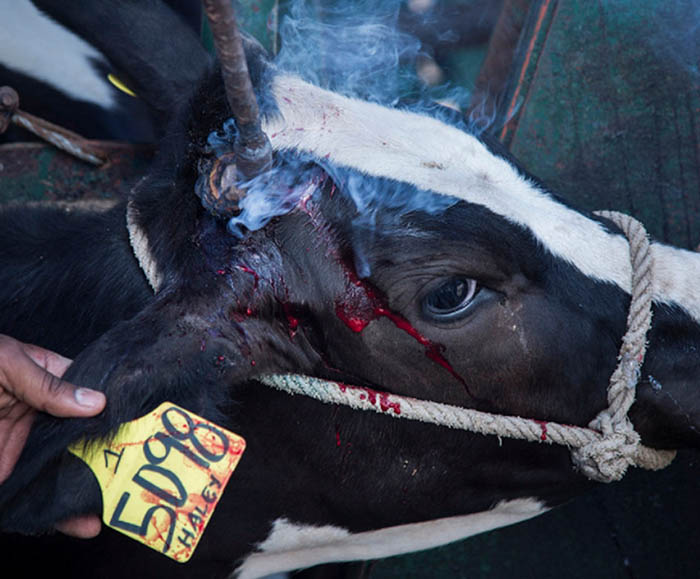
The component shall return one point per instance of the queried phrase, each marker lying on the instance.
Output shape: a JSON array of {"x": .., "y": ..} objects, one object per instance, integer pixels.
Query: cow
[
  {"x": 404, "y": 255},
  {"x": 64, "y": 77}
]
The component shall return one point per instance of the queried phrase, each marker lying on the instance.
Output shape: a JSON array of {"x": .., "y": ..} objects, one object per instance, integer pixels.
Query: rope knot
[{"x": 606, "y": 459}]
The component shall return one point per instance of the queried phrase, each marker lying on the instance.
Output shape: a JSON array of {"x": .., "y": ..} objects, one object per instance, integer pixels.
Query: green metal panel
[
  {"x": 40, "y": 172},
  {"x": 600, "y": 105}
]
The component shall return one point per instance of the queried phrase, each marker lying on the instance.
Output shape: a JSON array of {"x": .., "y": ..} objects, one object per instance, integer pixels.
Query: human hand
[{"x": 30, "y": 381}]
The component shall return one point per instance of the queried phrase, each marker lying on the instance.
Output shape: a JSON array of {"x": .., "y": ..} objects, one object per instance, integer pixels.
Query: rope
[
  {"x": 602, "y": 452},
  {"x": 139, "y": 245}
]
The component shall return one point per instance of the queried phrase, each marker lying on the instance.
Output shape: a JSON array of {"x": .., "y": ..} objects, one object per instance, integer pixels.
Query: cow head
[{"x": 410, "y": 257}]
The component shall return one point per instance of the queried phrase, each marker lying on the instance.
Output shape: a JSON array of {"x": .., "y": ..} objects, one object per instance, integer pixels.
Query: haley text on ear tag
[{"x": 162, "y": 475}]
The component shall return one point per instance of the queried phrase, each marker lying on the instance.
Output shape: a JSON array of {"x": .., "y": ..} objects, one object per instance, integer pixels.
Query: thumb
[{"x": 44, "y": 391}]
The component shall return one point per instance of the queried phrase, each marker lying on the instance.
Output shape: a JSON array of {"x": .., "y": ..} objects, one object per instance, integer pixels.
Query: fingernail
[{"x": 89, "y": 398}]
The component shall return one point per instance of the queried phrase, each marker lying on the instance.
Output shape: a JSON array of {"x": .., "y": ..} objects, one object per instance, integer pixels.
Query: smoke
[
  {"x": 356, "y": 49},
  {"x": 353, "y": 48}
]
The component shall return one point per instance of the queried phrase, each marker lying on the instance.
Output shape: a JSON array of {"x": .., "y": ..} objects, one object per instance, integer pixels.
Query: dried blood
[{"x": 256, "y": 277}]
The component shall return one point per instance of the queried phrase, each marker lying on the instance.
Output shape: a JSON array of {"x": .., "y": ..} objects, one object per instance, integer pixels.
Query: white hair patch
[{"x": 36, "y": 46}]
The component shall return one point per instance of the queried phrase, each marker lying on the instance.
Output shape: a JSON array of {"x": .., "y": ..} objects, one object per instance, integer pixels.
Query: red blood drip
[
  {"x": 220, "y": 272},
  {"x": 337, "y": 435},
  {"x": 252, "y": 362},
  {"x": 256, "y": 277},
  {"x": 543, "y": 426},
  {"x": 352, "y": 321},
  {"x": 363, "y": 306},
  {"x": 249, "y": 311},
  {"x": 292, "y": 320}
]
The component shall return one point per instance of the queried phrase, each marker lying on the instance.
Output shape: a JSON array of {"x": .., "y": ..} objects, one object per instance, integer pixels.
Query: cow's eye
[{"x": 449, "y": 301}]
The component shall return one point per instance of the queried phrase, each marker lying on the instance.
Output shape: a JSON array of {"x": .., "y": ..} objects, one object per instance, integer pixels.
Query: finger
[
  {"x": 42, "y": 390},
  {"x": 82, "y": 527},
  {"x": 50, "y": 361},
  {"x": 13, "y": 435}
]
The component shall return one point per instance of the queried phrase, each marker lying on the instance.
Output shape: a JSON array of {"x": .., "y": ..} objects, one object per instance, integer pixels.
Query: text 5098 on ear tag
[{"x": 162, "y": 475}]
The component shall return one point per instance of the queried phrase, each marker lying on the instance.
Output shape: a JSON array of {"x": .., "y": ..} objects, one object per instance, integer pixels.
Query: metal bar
[
  {"x": 252, "y": 147},
  {"x": 64, "y": 139}
]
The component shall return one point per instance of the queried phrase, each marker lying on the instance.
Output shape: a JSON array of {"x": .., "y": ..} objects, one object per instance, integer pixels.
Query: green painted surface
[
  {"x": 39, "y": 172},
  {"x": 606, "y": 109}
]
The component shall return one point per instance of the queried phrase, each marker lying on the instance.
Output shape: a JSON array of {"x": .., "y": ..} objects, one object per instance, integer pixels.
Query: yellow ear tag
[
  {"x": 117, "y": 82},
  {"x": 162, "y": 476}
]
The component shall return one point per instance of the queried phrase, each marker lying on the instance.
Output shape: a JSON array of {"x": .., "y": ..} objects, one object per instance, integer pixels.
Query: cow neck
[{"x": 602, "y": 452}]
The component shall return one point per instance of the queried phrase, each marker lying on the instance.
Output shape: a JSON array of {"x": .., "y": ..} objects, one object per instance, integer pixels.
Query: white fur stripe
[
  {"x": 294, "y": 546},
  {"x": 427, "y": 153},
  {"x": 34, "y": 45}
]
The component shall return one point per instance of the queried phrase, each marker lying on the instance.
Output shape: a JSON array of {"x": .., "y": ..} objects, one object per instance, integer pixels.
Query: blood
[
  {"x": 292, "y": 320},
  {"x": 373, "y": 396},
  {"x": 256, "y": 277},
  {"x": 337, "y": 435},
  {"x": 385, "y": 404},
  {"x": 543, "y": 426},
  {"x": 220, "y": 272},
  {"x": 363, "y": 305},
  {"x": 351, "y": 320}
]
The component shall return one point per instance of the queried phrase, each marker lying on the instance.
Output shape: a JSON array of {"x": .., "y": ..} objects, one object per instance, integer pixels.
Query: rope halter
[
  {"x": 602, "y": 452},
  {"x": 620, "y": 445}
]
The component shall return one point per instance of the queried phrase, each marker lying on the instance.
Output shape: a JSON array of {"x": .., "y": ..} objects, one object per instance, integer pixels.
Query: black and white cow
[
  {"x": 64, "y": 77},
  {"x": 412, "y": 258}
]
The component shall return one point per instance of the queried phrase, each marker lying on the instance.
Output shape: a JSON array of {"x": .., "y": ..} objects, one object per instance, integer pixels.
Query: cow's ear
[
  {"x": 150, "y": 47},
  {"x": 171, "y": 351}
]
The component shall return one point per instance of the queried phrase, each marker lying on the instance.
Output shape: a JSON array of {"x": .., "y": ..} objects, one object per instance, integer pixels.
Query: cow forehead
[{"x": 431, "y": 155}]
